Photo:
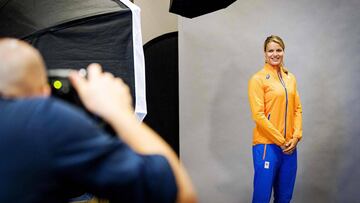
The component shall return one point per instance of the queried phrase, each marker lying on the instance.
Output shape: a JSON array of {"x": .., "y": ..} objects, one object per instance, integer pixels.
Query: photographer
[{"x": 50, "y": 150}]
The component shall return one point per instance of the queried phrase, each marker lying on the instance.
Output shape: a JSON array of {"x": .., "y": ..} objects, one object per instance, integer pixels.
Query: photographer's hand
[{"x": 102, "y": 93}]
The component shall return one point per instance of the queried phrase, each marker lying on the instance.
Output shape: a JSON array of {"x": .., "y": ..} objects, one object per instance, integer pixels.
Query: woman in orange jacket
[{"x": 277, "y": 112}]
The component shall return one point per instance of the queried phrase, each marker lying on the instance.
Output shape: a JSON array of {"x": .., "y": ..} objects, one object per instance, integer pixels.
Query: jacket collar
[{"x": 270, "y": 69}]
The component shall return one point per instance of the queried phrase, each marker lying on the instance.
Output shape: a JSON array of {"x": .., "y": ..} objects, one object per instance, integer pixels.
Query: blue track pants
[{"x": 273, "y": 170}]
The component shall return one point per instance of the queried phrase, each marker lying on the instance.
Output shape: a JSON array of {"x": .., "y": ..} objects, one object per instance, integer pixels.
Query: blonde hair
[{"x": 276, "y": 39}]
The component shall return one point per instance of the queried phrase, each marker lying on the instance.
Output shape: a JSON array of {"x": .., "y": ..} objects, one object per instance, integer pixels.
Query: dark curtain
[{"x": 162, "y": 87}]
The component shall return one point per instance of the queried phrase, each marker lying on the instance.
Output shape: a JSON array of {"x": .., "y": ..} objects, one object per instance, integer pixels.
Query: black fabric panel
[
  {"x": 195, "y": 8},
  {"x": 162, "y": 87},
  {"x": 105, "y": 39},
  {"x": 20, "y": 18}
]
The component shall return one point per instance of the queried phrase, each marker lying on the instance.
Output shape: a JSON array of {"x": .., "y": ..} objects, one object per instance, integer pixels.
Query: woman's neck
[{"x": 277, "y": 68}]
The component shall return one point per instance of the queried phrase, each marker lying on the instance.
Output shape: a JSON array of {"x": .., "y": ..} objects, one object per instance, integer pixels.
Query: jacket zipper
[{"x": 283, "y": 84}]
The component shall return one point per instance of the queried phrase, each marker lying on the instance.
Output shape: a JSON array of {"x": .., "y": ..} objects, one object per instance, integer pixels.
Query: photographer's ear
[{"x": 46, "y": 90}]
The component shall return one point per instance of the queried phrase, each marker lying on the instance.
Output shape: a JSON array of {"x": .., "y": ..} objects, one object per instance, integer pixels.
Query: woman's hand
[{"x": 290, "y": 146}]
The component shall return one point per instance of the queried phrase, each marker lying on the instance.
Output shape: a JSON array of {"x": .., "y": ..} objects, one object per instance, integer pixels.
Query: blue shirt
[{"x": 51, "y": 151}]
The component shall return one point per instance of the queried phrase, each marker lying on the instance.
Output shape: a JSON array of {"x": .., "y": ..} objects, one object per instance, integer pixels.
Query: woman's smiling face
[{"x": 274, "y": 54}]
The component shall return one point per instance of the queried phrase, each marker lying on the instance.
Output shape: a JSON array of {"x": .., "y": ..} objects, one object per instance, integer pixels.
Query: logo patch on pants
[{"x": 267, "y": 165}]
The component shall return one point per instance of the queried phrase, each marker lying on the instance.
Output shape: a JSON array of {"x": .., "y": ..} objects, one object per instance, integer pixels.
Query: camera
[{"x": 61, "y": 88}]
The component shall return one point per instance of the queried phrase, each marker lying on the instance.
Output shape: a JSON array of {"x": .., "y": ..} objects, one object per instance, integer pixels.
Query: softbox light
[{"x": 71, "y": 34}]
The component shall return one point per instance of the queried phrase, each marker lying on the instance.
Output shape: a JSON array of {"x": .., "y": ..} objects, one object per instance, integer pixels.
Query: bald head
[{"x": 22, "y": 70}]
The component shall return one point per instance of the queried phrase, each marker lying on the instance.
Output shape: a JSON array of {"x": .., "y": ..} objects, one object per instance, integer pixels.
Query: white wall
[
  {"x": 156, "y": 19},
  {"x": 218, "y": 54}
]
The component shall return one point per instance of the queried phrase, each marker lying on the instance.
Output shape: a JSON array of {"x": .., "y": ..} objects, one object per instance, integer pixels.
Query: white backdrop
[{"x": 218, "y": 54}]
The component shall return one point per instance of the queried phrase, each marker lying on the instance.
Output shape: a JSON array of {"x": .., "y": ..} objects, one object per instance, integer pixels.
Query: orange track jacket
[{"x": 275, "y": 106}]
